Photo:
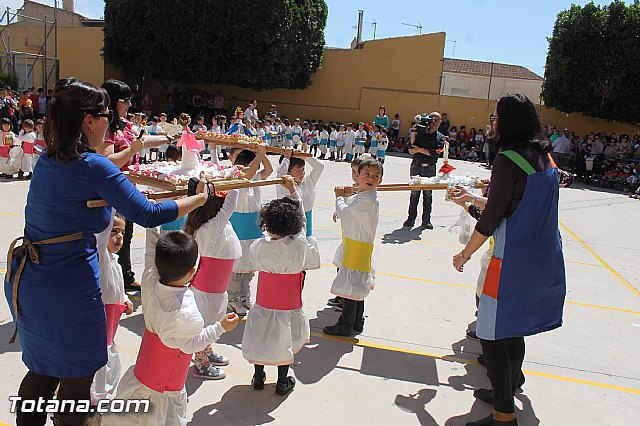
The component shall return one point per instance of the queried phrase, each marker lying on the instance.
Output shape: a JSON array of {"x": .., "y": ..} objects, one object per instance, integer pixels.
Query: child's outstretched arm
[
  {"x": 150, "y": 274},
  {"x": 317, "y": 166},
  {"x": 207, "y": 336},
  {"x": 267, "y": 168},
  {"x": 230, "y": 203},
  {"x": 283, "y": 168}
]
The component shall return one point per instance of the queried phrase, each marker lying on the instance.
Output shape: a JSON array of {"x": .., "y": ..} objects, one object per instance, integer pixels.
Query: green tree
[
  {"x": 592, "y": 64},
  {"x": 259, "y": 44}
]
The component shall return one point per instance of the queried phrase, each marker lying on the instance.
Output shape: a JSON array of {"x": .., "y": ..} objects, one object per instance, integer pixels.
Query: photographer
[{"x": 424, "y": 145}]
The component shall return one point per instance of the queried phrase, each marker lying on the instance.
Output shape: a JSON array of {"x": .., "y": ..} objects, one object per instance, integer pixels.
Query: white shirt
[
  {"x": 287, "y": 255},
  {"x": 306, "y": 188},
  {"x": 562, "y": 145},
  {"x": 171, "y": 312},
  {"x": 216, "y": 238}
]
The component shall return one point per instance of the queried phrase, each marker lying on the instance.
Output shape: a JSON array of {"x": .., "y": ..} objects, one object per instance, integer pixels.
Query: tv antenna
[
  {"x": 374, "y": 24},
  {"x": 418, "y": 27}
]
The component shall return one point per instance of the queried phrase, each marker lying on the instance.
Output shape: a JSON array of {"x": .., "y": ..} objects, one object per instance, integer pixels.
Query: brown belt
[{"x": 28, "y": 250}]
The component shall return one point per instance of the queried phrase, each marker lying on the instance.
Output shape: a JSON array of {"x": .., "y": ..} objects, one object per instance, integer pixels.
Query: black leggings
[
  {"x": 124, "y": 254},
  {"x": 503, "y": 359},
  {"x": 36, "y": 386},
  {"x": 283, "y": 370}
]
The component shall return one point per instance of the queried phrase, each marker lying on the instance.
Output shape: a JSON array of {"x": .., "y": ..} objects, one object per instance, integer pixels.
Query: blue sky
[{"x": 506, "y": 31}]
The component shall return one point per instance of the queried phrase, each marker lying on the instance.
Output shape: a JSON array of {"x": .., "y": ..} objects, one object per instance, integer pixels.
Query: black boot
[
  {"x": 283, "y": 388},
  {"x": 258, "y": 381}
]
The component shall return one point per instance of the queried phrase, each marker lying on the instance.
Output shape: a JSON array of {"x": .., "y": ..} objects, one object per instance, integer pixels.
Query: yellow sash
[{"x": 357, "y": 254}]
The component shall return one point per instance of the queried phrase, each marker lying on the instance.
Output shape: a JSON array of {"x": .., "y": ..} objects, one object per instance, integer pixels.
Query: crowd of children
[{"x": 194, "y": 276}]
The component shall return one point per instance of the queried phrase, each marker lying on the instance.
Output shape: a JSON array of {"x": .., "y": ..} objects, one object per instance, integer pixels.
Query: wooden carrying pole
[
  {"x": 418, "y": 187},
  {"x": 244, "y": 144},
  {"x": 219, "y": 185}
]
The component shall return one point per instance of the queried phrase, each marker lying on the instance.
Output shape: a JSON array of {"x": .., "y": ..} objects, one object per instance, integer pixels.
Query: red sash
[
  {"x": 279, "y": 291},
  {"x": 159, "y": 367},
  {"x": 27, "y": 147},
  {"x": 114, "y": 312},
  {"x": 4, "y": 151},
  {"x": 213, "y": 275}
]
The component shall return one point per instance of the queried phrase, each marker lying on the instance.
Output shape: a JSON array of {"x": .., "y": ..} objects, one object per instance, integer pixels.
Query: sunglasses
[
  {"x": 108, "y": 115},
  {"x": 125, "y": 100}
]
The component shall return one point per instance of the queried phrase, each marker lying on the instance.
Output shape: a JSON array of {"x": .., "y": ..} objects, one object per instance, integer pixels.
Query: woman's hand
[
  {"x": 459, "y": 260},
  {"x": 460, "y": 195},
  {"x": 128, "y": 307}
]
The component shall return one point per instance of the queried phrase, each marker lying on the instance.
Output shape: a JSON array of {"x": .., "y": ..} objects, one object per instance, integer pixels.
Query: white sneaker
[
  {"x": 246, "y": 302},
  {"x": 210, "y": 373},
  {"x": 218, "y": 360},
  {"x": 237, "y": 306}
]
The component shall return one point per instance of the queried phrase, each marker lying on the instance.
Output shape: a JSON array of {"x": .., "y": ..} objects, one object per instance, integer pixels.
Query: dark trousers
[
  {"x": 418, "y": 169},
  {"x": 36, "y": 386},
  {"x": 352, "y": 313},
  {"x": 503, "y": 359},
  {"x": 124, "y": 255}
]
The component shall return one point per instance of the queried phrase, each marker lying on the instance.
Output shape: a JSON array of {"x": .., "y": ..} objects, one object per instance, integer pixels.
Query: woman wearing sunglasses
[
  {"x": 52, "y": 279},
  {"x": 122, "y": 145}
]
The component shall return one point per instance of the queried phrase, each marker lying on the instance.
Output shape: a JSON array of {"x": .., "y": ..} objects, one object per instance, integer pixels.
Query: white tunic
[
  {"x": 249, "y": 201},
  {"x": 217, "y": 239},
  {"x": 172, "y": 314},
  {"x": 349, "y": 141},
  {"x": 359, "y": 217},
  {"x": 306, "y": 189},
  {"x": 106, "y": 379},
  {"x": 272, "y": 337}
]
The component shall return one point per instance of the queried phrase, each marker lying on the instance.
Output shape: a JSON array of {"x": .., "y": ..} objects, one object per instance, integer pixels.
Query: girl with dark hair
[
  {"x": 219, "y": 247},
  {"x": 524, "y": 287},
  {"x": 277, "y": 327},
  {"x": 52, "y": 279}
]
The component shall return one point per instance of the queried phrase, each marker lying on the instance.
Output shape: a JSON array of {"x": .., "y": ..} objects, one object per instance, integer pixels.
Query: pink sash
[
  {"x": 27, "y": 147},
  {"x": 279, "y": 291},
  {"x": 114, "y": 312},
  {"x": 159, "y": 367},
  {"x": 213, "y": 275}
]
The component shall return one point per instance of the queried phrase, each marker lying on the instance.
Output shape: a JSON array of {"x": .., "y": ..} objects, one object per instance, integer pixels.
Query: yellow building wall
[
  {"x": 403, "y": 74},
  {"x": 79, "y": 51}
]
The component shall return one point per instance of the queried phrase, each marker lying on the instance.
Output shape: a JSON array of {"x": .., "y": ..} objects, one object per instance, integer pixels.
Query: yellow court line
[
  {"x": 601, "y": 260},
  {"x": 588, "y": 305},
  {"x": 583, "y": 263},
  {"x": 12, "y": 214},
  {"x": 366, "y": 344}
]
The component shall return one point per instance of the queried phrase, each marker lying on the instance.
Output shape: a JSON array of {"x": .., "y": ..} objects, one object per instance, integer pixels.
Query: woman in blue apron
[{"x": 524, "y": 288}]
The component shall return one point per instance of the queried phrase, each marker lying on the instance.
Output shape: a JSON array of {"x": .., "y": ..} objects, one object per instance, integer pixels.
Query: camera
[
  {"x": 423, "y": 123},
  {"x": 424, "y": 138}
]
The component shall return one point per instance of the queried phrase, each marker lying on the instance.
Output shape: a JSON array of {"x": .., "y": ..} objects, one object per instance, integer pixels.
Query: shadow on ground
[{"x": 240, "y": 405}]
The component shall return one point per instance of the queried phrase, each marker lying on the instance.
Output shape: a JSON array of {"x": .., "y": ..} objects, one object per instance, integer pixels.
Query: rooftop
[{"x": 464, "y": 66}]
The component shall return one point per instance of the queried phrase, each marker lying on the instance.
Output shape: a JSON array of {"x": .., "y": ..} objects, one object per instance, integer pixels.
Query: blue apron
[{"x": 525, "y": 286}]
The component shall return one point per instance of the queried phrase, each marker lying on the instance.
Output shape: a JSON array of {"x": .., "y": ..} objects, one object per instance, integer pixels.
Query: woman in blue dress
[{"x": 52, "y": 279}]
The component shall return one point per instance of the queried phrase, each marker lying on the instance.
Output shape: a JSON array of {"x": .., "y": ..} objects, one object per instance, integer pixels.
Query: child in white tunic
[
  {"x": 245, "y": 224},
  {"x": 359, "y": 219},
  {"x": 174, "y": 329},
  {"x": 277, "y": 326},
  {"x": 219, "y": 247},
  {"x": 305, "y": 184},
  {"x": 116, "y": 302}
]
